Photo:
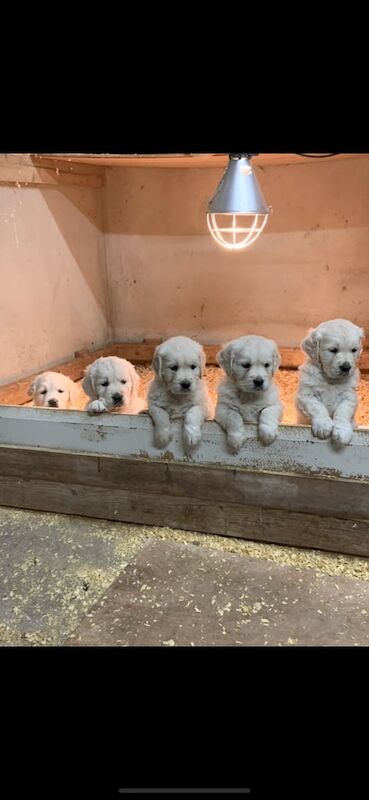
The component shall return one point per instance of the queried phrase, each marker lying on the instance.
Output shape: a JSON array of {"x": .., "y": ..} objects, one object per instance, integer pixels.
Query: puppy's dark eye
[
  {"x": 43, "y": 391},
  {"x": 354, "y": 350},
  {"x": 123, "y": 381},
  {"x": 106, "y": 383},
  {"x": 61, "y": 391},
  {"x": 266, "y": 366},
  {"x": 193, "y": 366},
  {"x": 334, "y": 350},
  {"x": 246, "y": 366},
  {"x": 175, "y": 368}
]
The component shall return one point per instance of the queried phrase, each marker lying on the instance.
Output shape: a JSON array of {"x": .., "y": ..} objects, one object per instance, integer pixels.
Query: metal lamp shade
[{"x": 237, "y": 213}]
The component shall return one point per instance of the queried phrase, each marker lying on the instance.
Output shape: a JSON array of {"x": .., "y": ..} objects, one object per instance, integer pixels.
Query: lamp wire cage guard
[{"x": 242, "y": 230}]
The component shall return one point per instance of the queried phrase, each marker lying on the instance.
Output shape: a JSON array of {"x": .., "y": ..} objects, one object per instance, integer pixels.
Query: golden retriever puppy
[
  {"x": 247, "y": 394},
  {"x": 112, "y": 384},
  {"x": 328, "y": 380},
  {"x": 178, "y": 391},
  {"x": 54, "y": 390}
]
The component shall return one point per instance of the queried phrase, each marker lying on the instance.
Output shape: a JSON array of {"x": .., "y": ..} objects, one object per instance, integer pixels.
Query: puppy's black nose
[
  {"x": 52, "y": 403},
  {"x": 345, "y": 367},
  {"x": 185, "y": 384},
  {"x": 258, "y": 383},
  {"x": 117, "y": 398}
]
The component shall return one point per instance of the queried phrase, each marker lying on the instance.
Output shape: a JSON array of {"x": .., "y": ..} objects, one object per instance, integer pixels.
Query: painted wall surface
[
  {"x": 167, "y": 276},
  {"x": 134, "y": 260},
  {"x": 53, "y": 297}
]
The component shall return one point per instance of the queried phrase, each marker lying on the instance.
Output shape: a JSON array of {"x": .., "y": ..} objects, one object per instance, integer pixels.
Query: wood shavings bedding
[{"x": 286, "y": 379}]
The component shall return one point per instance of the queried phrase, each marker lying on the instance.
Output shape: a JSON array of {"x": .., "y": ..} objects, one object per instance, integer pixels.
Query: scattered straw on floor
[
  {"x": 286, "y": 379},
  {"x": 56, "y": 567},
  {"x": 328, "y": 563}
]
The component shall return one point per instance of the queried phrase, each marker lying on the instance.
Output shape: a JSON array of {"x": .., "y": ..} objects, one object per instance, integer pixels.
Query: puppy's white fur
[
  {"x": 178, "y": 390},
  {"x": 326, "y": 395},
  {"x": 245, "y": 361},
  {"x": 112, "y": 384},
  {"x": 54, "y": 390}
]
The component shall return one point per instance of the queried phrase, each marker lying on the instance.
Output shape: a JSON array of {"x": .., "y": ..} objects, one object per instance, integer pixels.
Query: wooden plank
[
  {"x": 323, "y": 496},
  {"x": 185, "y": 160},
  {"x": 22, "y": 171},
  {"x": 30, "y": 176},
  {"x": 67, "y": 166},
  {"x": 295, "y": 451},
  {"x": 15, "y": 393},
  {"x": 45, "y": 162},
  {"x": 349, "y": 536}
]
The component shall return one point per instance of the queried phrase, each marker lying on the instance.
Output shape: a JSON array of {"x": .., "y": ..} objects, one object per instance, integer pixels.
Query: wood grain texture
[
  {"x": 24, "y": 170},
  {"x": 326, "y": 496},
  {"x": 322, "y": 513},
  {"x": 330, "y": 533}
]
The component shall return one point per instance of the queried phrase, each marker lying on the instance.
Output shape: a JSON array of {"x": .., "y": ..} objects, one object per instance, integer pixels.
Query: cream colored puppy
[
  {"x": 54, "y": 390},
  {"x": 326, "y": 395},
  {"x": 248, "y": 394},
  {"x": 178, "y": 390},
  {"x": 112, "y": 384}
]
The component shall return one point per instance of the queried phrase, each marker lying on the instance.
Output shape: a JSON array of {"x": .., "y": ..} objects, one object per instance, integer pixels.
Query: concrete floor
[{"x": 77, "y": 581}]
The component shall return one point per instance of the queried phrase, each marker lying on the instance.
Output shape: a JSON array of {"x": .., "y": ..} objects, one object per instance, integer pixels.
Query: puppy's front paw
[
  {"x": 191, "y": 436},
  {"x": 267, "y": 433},
  {"x": 96, "y": 407},
  {"x": 162, "y": 437},
  {"x": 322, "y": 428},
  {"x": 235, "y": 440},
  {"x": 342, "y": 433}
]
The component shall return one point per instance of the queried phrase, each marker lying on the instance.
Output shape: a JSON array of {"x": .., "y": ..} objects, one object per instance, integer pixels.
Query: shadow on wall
[{"x": 79, "y": 234}]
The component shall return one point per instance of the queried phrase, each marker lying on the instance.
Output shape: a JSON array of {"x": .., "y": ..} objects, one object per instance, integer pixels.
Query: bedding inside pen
[{"x": 286, "y": 380}]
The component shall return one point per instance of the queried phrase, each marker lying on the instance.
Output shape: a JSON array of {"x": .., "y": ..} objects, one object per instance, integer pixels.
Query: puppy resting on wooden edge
[
  {"x": 112, "y": 384},
  {"x": 326, "y": 395},
  {"x": 178, "y": 391},
  {"x": 247, "y": 394}
]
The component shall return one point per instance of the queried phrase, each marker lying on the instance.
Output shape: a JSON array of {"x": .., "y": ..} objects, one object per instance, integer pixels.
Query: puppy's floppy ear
[
  {"x": 88, "y": 384},
  {"x": 310, "y": 345},
  {"x": 157, "y": 362},
  {"x": 202, "y": 362},
  {"x": 225, "y": 358},
  {"x": 135, "y": 378},
  {"x": 32, "y": 388},
  {"x": 276, "y": 358},
  {"x": 361, "y": 334}
]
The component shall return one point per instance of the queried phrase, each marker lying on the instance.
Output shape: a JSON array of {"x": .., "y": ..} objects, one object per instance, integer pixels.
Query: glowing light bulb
[
  {"x": 236, "y": 231},
  {"x": 237, "y": 214}
]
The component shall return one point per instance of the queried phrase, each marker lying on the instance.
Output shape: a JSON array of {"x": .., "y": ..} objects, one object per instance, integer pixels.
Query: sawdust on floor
[
  {"x": 286, "y": 379},
  {"x": 56, "y": 567}
]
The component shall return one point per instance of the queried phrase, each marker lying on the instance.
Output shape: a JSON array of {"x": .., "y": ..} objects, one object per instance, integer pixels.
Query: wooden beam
[
  {"x": 23, "y": 170},
  {"x": 186, "y": 160},
  {"x": 296, "y": 452},
  {"x": 253, "y": 522},
  {"x": 15, "y": 393},
  {"x": 327, "y": 496}
]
